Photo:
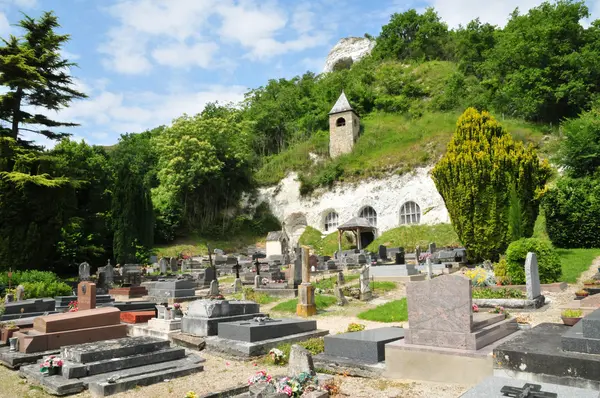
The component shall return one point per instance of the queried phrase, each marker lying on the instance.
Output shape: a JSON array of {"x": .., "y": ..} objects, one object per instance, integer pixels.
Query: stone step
[
  {"x": 109, "y": 349},
  {"x": 494, "y": 332},
  {"x": 73, "y": 370},
  {"x": 481, "y": 320}
]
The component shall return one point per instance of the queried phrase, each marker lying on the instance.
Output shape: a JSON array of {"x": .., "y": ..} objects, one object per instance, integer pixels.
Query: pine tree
[
  {"x": 475, "y": 177},
  {"x": 36, "y": 75}
]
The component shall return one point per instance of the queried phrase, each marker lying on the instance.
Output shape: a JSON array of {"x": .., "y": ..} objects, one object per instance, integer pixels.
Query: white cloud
[
  {"x": 21, "y": 3},
  {"x": 191, "y": 33},
  {"x": 181, "y": 55},
  {"x": 5, "y": 27},
  {"x": 107, "y": 114}
]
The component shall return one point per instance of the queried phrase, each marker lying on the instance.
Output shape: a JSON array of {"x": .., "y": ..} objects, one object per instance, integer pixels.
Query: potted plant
[
  {"x": 571, "y": 317},
  {"x": 581, "y": 294},
  {"x": 178, "y": 311},
  {"x": 51, "y": 365}
]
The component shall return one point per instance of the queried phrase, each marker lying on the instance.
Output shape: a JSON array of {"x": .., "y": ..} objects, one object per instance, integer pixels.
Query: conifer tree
[
  {"x": 37, "y": 76},
  {"x": 475, "y": 178}
]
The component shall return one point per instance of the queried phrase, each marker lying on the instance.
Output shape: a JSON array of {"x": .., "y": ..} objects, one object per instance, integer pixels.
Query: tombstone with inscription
[
  {"x": 532, "y": 277},
  {"x": 84, "y": 271},
  {"x": 86, "y": 295},
  {"x": 400, "y": 258}
]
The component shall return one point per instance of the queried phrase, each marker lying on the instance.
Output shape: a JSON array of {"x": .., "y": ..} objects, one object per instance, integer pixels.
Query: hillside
[{"x": 392, "y": 142}]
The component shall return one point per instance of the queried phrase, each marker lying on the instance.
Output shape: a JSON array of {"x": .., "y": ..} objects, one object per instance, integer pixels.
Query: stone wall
[{"x": 386, "y": 196}]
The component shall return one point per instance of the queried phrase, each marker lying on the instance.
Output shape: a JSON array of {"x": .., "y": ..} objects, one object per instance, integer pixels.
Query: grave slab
[
  {"x": 350, "y": 367},
  {"x": 367, "y": 346},
  {"x": 77, "y": 320},
  {"x": 15, "y": 359},
  {"x": 164, "y": 325},
  {"x": 251, "y": 331},
  {"x": 491, "y": 386},
  {"x": 537, "y": 355}
]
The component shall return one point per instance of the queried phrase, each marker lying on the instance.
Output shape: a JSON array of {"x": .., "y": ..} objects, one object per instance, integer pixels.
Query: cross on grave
[
  {"x": 528, "y": 391},
  {"x": 237, "y": 267},
  {"x": 257, "y": 265}
]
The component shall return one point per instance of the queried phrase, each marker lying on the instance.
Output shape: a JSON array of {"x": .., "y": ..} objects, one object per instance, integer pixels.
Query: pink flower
[
  {"x": 227, "y": 363},
  {"x": 254, "y": 364},
  {"x": 475, "y": 308}
]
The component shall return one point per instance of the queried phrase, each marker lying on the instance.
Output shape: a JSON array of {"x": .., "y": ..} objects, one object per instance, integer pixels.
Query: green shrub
[
  {"x": 355, "y": 327},
  {"x": 498, "y": 294},
  {"x": 20, "y": 277},
  {"x": 41, "y": 289},
  {"x": 547, "y": 258},
  {"x": 572, "y": 210}
]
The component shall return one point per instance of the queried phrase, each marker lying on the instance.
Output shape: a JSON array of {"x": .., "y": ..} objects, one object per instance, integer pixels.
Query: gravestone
[
  {"x": 153, "y": 259},
  {"x": 109, "y": 274},
  {"x": 532, "y": 276},
  {"x": 362, "y": 259},
  {"x": 218, "y": 252},
  {"x": 86, "y": 295},
  {"x": 163, "y": 264},
  {"x": 84, "y": 271},
  {"x": 214, "y": 288},
  {"x": 367, "y": 346},
  {"x": 237, "y": 285},
  {"x": 365, "y": 289},
  {"x": 382, "y": 252},
  {"x": 400, "y": 258},
  {"x": 204, "y": 316},
  {"x": 418, "y": 254},
  {"x": 432, "y": 247},
  {"x": 173, "y": 264},
  {"x": 339, "y": 295},
  {"x": 331, "y": 265},
  {"x": 306, "y": 291},
  {"x": 20, "y": 293},
  {"x": 132, "y": 275},
  {"x": 257, "y": 281},
  {"x": 300, "y": 361}
]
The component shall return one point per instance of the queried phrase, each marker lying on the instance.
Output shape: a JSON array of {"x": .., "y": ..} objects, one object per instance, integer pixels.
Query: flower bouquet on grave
[
  {"x": 260, "y": 377},
  {"x": 265, "y": 281},
  {"x": 581, "y": 294},
  {"x": 499, "y": 310},
  {"x": 177, "y": 308},
  {"x": 475, "y": 308},
  {"x": 73, "y": 306},
  {"x": 51, "y": 365},
  {"x": 277, "y": 356}
]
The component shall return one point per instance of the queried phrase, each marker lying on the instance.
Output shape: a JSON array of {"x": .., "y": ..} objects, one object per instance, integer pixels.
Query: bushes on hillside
[
  {"x": 38, "y": 283},
  {"x": 482, "y": 165},
  {"x": 572, "y": 210},
  {"x": 547, "y": 257}
]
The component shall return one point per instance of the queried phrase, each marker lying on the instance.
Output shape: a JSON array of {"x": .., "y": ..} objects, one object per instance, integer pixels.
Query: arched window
[
  {"x": 370, "y": 214},
  {"x": 331, "y": 221},
  {"x": 410, "y": 213},
  {"x": 340, "y": 122}
]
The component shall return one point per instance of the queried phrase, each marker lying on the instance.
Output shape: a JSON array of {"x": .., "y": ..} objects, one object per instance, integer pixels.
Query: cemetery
[{"x": 415, "y": 221}]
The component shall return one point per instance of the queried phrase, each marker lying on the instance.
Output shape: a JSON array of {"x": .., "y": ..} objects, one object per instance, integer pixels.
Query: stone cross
[
  {"x": 237, "y": 267},
  {"x": 20, "y": 294},
  {"x": 257, "y": 265},
  {"x": 532, "y": 276},
  {"x": 84, "y": 271},
  {"x": 86, "y": 295}
]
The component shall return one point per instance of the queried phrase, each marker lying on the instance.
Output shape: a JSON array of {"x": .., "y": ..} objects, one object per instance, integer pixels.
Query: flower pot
[
  {"x": 14, "y": 343},
  {"x": 570, "y": 321}
]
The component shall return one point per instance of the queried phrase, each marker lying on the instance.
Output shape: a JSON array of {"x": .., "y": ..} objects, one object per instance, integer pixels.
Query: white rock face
[
  {"x": 386, "y": 196},
  {"x": 348, "y": 48}
]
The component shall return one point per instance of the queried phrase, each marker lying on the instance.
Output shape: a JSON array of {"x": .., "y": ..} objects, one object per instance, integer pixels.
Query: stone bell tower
[{"x": 344, "y": 126}]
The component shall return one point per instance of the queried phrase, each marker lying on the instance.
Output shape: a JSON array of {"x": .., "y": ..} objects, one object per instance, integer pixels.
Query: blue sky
[{"x": 145, "y": 62}]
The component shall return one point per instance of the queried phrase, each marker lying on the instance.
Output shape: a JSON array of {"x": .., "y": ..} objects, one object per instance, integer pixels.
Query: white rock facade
[
  {"x": 348, "y": 47},
  {"x": 386, "y": 196}
]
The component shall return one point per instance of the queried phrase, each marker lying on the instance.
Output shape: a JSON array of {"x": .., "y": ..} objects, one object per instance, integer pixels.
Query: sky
[{"x": 145, "y": 62}]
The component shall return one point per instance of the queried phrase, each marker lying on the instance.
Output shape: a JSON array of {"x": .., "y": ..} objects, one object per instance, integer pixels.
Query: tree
[
  {"x": 472, "y": 44},
  {"x": 413, "y": 36},
  {"x": 37, "y": 76},
  {"x": 538, "y": 70},
  {"x": 580, "y": 150},
  {"x": 133, "y": 165},
  {"x": 475, "y": 177}
]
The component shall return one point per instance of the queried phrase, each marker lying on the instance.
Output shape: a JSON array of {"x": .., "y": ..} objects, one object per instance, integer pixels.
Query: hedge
[{"x": 548, "y": 260}]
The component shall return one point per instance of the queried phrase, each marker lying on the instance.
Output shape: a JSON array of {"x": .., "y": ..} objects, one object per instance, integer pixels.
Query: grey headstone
[
  {"x": 109, "y": 274},
  {"x": 432, "y": 247},
  {"x": 20, "y": 293},
  {"x": 153, "y": 259},
  {"x": 532, "y": 276},
  {"x": 256, "y": 281},
  {"x": 173, "y": 264},
  {"x": 214, "y": 288},
  {"x": 339, "y": 294},
  {"x": 382, "y": 252},
  {"x": 218, "y": 252},
  {"x": 429, "y": 267},
  {"x": 418, "y": 253},
  {"x": 237, "y": 285},
  {"x": 84, "y": 271},
  {"x": 340, "y": 279},
  {"x": 300, "y": 361},
  {"x": 164, "y": 265}
]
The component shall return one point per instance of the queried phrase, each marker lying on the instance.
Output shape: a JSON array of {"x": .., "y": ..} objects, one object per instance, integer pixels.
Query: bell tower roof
[{"x": 341, "y": 105}]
